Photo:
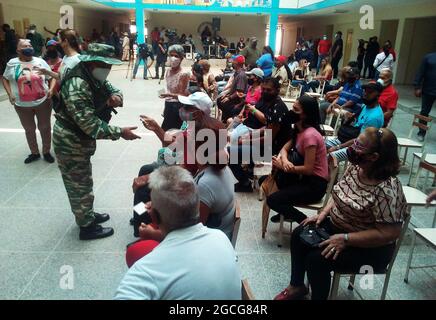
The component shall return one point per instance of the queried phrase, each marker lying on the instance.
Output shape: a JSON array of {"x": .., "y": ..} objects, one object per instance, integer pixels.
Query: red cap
[
  {"x": 282, "y": 59},
  {"x": 239, "y": 59}
]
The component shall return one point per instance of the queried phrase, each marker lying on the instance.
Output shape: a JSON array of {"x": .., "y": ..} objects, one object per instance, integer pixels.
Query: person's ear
[{"x": 373, "y": 157}]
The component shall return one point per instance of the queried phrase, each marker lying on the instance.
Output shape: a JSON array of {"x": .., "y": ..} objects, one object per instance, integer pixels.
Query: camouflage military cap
[{"x": 100, "y": 52}]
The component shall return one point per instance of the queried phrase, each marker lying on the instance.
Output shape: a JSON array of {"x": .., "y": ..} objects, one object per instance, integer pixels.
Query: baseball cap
[
  {"x": 239, "y": 59},
  {"x": 282, "y": 59},
  {"x": 257, "y": 72},
  {"x": 253, "y": 39},
  {"x": 373, "y": 85},
  {"x": 100, "y": 52},
  {"x": 51, "y": 43},
  {"x": 199, "y": 100}
]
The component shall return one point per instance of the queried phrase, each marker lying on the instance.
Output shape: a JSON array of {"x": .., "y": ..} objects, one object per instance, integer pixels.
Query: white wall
[
  {"x": 232, "y": 27},
  {"x": 46, "y": 13}
]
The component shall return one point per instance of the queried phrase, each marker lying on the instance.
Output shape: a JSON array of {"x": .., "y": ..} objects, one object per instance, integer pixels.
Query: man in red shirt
[
  {"x": 388, "y": 99},
  {"x": 324, "y": 47}
]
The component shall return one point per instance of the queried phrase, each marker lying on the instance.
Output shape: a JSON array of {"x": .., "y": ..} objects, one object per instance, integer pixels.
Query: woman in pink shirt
[{"x": 302, "y": 175}]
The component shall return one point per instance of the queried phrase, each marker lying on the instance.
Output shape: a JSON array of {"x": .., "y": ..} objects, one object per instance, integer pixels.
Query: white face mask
[
  {"x": 32, "y": 31},
  {"x": 175, "y": 62},
  {"x": 383, "y": 83},
  {"x": 101, "y": 74}
]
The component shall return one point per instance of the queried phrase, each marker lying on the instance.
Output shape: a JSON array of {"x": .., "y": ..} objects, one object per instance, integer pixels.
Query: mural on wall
[{"x": 214, "y": 3}]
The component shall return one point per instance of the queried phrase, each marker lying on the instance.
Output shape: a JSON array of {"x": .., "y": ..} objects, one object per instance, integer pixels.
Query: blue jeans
[
  {"x": 303, "y": 84},
  {"x": 138, "y": 62}
]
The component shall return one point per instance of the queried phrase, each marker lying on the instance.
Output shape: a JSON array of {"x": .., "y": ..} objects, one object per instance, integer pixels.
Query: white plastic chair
[
  {"x": 408, "y": 142},
  {"x": 387, "y": 272},
  {"x": 426, "y": 235}
]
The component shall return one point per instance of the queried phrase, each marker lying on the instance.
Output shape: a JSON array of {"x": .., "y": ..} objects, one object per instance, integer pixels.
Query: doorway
[
  {"x": 417, "y": 40},
  {"x": 329, "y": 32},
  {"x": 388, "y": 31},
  {"x": 347, "y": 46}
]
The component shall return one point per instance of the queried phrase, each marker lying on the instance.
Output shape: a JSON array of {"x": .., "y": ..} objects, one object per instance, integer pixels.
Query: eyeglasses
[{"x": 358, "y": 146}]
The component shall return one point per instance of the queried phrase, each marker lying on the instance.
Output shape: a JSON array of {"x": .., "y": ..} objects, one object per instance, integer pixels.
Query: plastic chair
[
  {"x": 408, "y": 142},
  {"x": 338, "y": 274}
]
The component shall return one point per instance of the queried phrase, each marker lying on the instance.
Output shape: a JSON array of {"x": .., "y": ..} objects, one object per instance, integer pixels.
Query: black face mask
[
  {"x": 293, "y": 117},
  {"x": 250, "y": 82},
  {"x": 354, "y": 157},
  {"x": 369, "y": 102},
  {"x": 268, "y": 97}
]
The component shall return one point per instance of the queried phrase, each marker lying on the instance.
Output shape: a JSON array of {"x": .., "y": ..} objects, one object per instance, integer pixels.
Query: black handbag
[
  {"x": 348, "y": 132},
  {"x": 312, "y": 236}
]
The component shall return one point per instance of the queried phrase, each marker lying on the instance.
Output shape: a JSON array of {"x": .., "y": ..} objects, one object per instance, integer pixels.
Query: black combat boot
[{"x": 95, "y": 231}]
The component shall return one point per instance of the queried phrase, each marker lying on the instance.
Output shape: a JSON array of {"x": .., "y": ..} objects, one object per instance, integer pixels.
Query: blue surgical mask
[{"x": 28, "y": 52}]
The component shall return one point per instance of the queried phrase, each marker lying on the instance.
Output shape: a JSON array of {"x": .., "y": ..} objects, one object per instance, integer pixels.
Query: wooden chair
[
  {"x": 426, "y": 235},
  {"x": 387, "y": 272},
  {"x": 333, "y": 173},
  {"x": 247, "y": 294},
  {"x": 408, "y": 142},
  {"x": 236, "y": 224}
]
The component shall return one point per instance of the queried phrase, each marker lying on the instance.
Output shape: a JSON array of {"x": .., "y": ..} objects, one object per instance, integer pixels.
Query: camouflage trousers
[{"x": 73, "y": 156}]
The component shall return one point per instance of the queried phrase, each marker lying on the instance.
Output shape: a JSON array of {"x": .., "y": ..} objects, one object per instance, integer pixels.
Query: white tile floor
[{"x": 38, "y": 234}]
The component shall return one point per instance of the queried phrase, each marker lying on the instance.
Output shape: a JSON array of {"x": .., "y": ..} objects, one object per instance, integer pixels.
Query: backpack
[{"x": 143, "y": 50}]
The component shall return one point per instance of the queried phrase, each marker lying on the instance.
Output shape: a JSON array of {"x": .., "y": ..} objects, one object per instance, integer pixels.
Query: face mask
[
  {"x": 101, "y": 74},
  {"x": 52, "y": 54},
  {"x": 369, "y": 102},
  {"x": 383, "y": 83},
  {"x": 175, "y": 62},
  {"x": 28, "y": 52},
  {"x": 324, "y": 38},
  {"x": 268, "y": 97},
  {"x": 354, "y": 157},
  {"x": 32, "y": 31},
  {"x": 250, "y": 82}
]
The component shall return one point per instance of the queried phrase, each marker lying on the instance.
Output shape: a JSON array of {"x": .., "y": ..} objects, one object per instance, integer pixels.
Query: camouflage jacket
[{"x": 77, "y": 96}]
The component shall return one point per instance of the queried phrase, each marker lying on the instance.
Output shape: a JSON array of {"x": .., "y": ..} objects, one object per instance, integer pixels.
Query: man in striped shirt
[{"x": 350, "y": 98}]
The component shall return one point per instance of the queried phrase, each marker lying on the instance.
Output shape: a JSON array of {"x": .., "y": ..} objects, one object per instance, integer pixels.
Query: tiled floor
[{"x": 38, "y": 235}]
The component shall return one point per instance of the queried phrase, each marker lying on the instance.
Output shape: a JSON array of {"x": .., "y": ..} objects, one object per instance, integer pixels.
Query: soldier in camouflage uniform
[{"x": 82, "y": 116}]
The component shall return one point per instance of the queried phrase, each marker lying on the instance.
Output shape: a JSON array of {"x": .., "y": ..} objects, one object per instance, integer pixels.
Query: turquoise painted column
[
  {"x": 273, "y": 22},
  {"x": 140, "y": 25}
]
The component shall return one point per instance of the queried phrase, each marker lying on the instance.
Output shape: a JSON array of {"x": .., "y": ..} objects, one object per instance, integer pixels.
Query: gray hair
[
  {"x": 177, "y": 48},
  {"x": 389, "y": 72},
  {"x": 174, "y": 196}
]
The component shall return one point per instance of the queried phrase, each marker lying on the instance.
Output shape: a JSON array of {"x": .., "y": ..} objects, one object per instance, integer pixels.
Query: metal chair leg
[
  {"x": 335, "y": 286},
  {"x": 282, "y": 220},
  {"x": 434, "y": 220},
  {"x": 411, "y": 170},
  {"x": 409, "y": 261},
  {"x": 351, "y": 282}
]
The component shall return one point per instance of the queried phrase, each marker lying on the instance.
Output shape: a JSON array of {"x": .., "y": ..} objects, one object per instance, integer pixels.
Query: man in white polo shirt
[{"x": 193, "y": 262}]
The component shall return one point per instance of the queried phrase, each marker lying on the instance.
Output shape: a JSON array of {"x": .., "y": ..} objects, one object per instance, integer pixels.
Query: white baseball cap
[
  {"x": 199, "y": 100},
  {"x": 257, "y": 72}
]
